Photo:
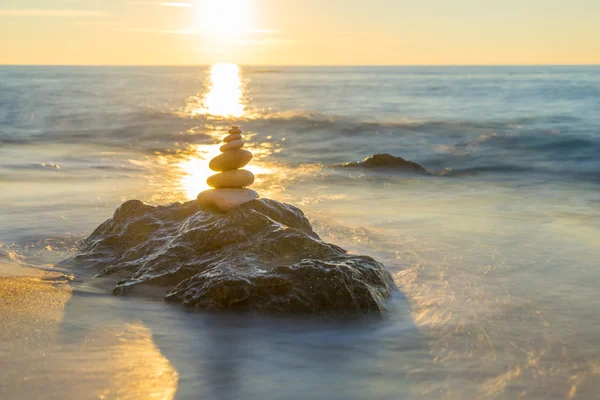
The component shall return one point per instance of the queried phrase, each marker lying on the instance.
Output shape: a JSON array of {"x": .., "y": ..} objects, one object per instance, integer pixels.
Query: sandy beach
[{"x": 41, "y": 360}]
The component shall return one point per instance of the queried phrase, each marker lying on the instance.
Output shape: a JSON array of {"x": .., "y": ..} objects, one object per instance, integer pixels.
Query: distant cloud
[
  {"x": 273, "y": 31},
  {"x": 265, "y": 42},
  {"x": 175, "y": 4},
  {"x": 165, "y": 31},
  {"x": 163, "y": 3},
  {"x": 191, "y": 31},
  {"x": 42, "y": 12},
  {"x": 95, "y": 22}
]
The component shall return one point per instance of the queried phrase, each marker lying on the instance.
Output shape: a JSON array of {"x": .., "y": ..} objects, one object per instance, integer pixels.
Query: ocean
[{"x": 496, "y": 253}]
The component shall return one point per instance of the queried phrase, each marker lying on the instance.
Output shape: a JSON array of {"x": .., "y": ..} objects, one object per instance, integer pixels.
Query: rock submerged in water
[
  {"x": 261, "y": 256},
  {"x": 387, "y": 161}
]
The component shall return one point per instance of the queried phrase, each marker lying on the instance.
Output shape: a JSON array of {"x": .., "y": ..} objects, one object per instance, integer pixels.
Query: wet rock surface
[
  {"x": 387, "y": 161},
  {"x": 263, "y": 255}
]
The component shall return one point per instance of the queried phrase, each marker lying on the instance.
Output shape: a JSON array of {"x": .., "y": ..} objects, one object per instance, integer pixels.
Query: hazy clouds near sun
[{"x": 299, "y": 32}]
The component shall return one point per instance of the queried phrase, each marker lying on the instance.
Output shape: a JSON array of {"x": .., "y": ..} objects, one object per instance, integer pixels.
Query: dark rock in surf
[
  {"x": 263, "y": 255},
  {"x": 387, "y": 161}
]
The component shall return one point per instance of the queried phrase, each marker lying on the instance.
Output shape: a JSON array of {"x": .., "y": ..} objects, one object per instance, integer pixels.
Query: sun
[{"x": 224, "y": 18}]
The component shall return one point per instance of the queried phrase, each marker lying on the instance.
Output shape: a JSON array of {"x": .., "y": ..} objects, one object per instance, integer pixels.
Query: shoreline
[
  {"x": 45, "y": 339},
  {"x": 11, "y": 270}
]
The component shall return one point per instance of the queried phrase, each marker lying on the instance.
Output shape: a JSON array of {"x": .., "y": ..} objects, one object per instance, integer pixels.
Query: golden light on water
[
  {"x": 225, "y": 99},
  {"x": 143, "y": 372},
  {"x": 181, "y": 174},
  {"x": 195, "y": 170},
  {"x": 225, "y": 96}
]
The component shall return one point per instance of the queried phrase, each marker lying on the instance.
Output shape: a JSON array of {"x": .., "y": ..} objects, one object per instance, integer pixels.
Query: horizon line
[{"x": 307, "y": 65}]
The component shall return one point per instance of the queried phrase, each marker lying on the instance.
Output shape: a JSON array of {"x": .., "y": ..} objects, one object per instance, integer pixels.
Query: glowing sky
[{"x": 299, "y": 32}]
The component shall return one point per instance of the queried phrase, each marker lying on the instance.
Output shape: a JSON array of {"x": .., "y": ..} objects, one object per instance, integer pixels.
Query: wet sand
[
  {"x": 71, "y": 339},
  {"x": 39, "y": 359}
]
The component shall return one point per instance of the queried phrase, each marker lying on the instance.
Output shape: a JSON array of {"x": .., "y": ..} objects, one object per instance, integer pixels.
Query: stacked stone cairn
[{"x": 230, "y": 184}]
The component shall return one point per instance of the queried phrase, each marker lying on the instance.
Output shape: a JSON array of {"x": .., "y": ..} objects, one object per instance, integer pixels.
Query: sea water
[{"x": 496, "y": 253}]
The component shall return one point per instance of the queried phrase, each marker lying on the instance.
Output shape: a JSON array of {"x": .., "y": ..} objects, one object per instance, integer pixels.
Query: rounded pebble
[
  {"x": 235, "y": 130},
  {"x": 230, "y": 160},
  {"x": 232, "y": 137},
  {"x": 226, "y": 199},
  {"x": 233, "y": 145},
  {"x": 237, "y": 178}
]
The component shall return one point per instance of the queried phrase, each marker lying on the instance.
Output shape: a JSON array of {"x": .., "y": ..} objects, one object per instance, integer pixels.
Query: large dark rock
[
  {"x": 263, "y": 255},
  {"x": 387, "y": 161}
]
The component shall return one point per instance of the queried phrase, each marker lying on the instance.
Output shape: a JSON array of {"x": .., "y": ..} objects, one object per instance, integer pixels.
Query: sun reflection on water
[
  {"x": 225, "y": 97},
  {"x": 186, "y": 169},
  {"x": 195, "y": 169}
]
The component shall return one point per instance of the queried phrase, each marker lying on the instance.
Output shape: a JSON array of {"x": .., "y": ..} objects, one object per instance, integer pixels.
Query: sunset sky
[{"x": 299, "y": 32}]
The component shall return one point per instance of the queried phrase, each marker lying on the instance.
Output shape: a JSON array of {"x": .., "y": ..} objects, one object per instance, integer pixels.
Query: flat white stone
[
  {"x": 233, "y": 145},
  {"x": 232, "y": 137},
  {"x": 225, "y": 200},
  {"x": 238, "y": 178}
]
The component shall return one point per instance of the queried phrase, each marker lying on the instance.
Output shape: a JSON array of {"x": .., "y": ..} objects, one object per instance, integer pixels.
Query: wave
[
  {"x": 556, "y": 144},
  {"x": 264, "y": 71},
  {"x": 159, "y": 125},
  {"x": 390, "y": 174},
  {"x": 544, "y": 141},
  {"x": 500, "y": 169}
]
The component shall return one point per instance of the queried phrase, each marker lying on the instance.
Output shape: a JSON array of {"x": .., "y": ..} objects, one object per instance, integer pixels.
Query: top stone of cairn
[{"x": 230, "y": 184}]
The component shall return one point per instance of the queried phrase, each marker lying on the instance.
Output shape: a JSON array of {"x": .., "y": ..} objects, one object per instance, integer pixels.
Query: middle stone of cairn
[{"x": 229, "y": 163}]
